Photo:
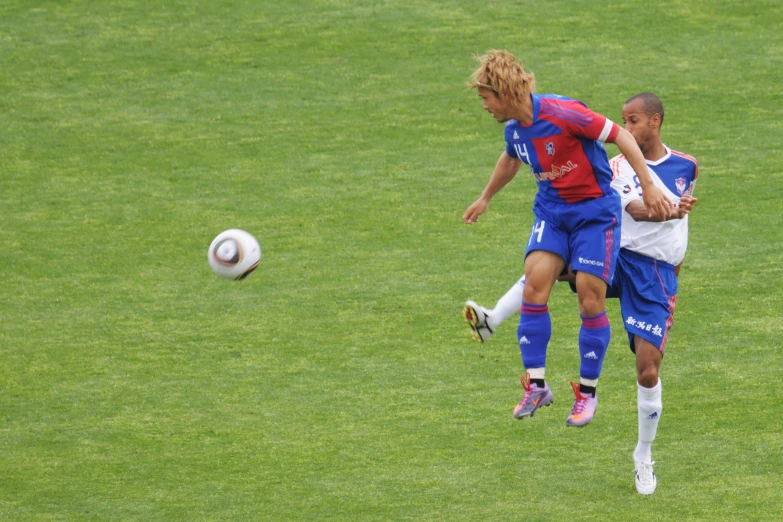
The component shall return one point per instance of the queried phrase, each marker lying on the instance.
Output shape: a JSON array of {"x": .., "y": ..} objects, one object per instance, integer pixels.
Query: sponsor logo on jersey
[
  {"x": 557, "y": 172},
  {"x": 516, "y": 136},
  {"x": 550, "y": 148},
  {"x": 680, "y": 184},
  {"x": 584, "y": 261}
]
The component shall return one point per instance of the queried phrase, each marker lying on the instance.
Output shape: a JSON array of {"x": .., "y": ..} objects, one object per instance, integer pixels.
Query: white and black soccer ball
[{"x": 234, "y": 254}]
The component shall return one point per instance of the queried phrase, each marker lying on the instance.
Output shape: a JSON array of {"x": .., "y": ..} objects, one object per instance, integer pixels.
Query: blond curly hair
[{"x": 501, "y": 72}]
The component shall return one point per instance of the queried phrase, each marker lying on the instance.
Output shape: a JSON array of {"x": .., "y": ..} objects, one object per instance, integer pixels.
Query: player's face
[
  {"x": 639, "y": 124},
  {"x": 493, "y": 104}
]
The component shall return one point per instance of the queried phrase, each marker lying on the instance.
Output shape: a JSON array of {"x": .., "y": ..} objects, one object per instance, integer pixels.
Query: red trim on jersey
[{"x": 614, "y": 164}]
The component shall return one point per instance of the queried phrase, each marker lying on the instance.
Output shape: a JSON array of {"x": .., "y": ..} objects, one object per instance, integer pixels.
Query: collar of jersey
[
  {"x": 664, "y": 158},
  {"x": 536, "y": 108}
]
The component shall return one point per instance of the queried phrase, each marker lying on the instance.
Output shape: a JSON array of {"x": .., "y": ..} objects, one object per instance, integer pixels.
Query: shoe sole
[
  {"x": 574, "y": 425},
  {"x": 521, "y": 417},
  {"x": 645, "y": 492},
  {"x": 469, "y": 314}
]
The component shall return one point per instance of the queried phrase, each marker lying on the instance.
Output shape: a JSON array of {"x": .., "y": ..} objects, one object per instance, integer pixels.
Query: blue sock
[
  {"x": 593, "y": 340},
  {"x": 534, "y": 332}
]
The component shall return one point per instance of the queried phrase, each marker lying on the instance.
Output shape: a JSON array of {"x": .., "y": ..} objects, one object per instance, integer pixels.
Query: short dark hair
[{"x": 652, "y": 104}]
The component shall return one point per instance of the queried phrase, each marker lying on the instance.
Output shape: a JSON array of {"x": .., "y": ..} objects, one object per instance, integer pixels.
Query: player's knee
[
  {"x": 647, "y": 376},
  {"x": 592, "y": 294},
  {"x": 591, "y": 303},
  {"x": 536, "y": 291}
]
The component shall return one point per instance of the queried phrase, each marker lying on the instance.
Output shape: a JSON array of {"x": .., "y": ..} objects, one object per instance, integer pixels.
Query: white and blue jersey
[
  {"x": 645, "y": 278},
  {"x": 675, "y": 174}
]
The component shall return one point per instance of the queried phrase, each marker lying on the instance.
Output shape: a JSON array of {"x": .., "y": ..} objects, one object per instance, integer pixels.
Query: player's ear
[{"x": 656, "y": 120}]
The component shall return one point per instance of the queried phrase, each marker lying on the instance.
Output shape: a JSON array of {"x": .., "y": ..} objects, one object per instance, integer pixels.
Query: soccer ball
[{"x": 234, "y": 254}]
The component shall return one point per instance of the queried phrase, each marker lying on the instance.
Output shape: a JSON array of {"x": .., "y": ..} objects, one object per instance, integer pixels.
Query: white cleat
[
  {"x": 645, "y": 478},
  {"x": 476, "y": 317}
]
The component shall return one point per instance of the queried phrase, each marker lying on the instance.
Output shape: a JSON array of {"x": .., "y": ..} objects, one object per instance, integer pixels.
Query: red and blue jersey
[{"x": 563, "y": 146}]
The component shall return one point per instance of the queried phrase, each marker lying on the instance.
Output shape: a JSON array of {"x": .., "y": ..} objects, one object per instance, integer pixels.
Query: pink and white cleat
[
  {"x": 584, "y": 408},
  {"x": 533, "y": 399}
]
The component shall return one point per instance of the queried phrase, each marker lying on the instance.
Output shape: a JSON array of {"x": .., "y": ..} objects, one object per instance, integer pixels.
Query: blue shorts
[
  {"x": 585, "y": 234},
  {"x": 648, "y": 296}
]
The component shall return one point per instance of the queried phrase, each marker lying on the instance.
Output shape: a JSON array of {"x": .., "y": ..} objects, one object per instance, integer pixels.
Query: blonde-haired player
[
  {"x": 652, "y": 251},
  {"x": 577, "y": 216}
]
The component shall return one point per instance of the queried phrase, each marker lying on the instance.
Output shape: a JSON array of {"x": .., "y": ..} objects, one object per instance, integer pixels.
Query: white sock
[
  {"x": 650, "y": 407},
  {"x": 508, "y": 305},
  {"x": 536, "y": 373}
]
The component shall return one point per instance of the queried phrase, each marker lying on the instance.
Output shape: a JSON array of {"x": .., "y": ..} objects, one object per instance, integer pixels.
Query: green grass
[{"x": 339, "y": 382}]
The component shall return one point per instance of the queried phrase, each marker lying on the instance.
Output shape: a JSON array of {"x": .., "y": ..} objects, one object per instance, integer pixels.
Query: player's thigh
[
  {"x": 591, "y": 291},
  {"x": 541, "y": 271},
  {"x": 595, "y": 243},
  {"x": 546, "y": 235}
]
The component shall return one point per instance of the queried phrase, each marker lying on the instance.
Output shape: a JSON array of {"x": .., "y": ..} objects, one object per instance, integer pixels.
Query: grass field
[{"x": 339, "y": 381}]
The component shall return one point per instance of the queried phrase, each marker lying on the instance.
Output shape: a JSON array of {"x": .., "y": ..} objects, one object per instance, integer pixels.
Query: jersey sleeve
[
  {"x": 694, "y": 169},
  {"x": 691, "y": 188},
  {"x": 609, "y": 131},
  {"x": 623, "y": 182},
  {"x": 580, "y": 120},
  {"x": 507, "y": 134}
]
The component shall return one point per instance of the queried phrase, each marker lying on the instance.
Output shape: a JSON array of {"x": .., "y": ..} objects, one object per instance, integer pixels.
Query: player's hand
[
  {"x": 473, "y": 212},
  {"x": 686, "y": 203},
  {"x": 657, "y": 203}
]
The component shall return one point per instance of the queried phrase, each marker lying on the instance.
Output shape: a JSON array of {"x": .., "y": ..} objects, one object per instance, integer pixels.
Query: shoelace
[
  {"x": 581, "y": 400},
  {"x": 644, "y": 471},
  {"x": 525, "y": 380}
]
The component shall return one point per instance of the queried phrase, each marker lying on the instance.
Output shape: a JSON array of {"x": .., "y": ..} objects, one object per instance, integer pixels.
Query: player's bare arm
[
  {"x": 654, "y": 199},
  {"x": 505, "y": 170},
  {"x": 640, "y": 212}
]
